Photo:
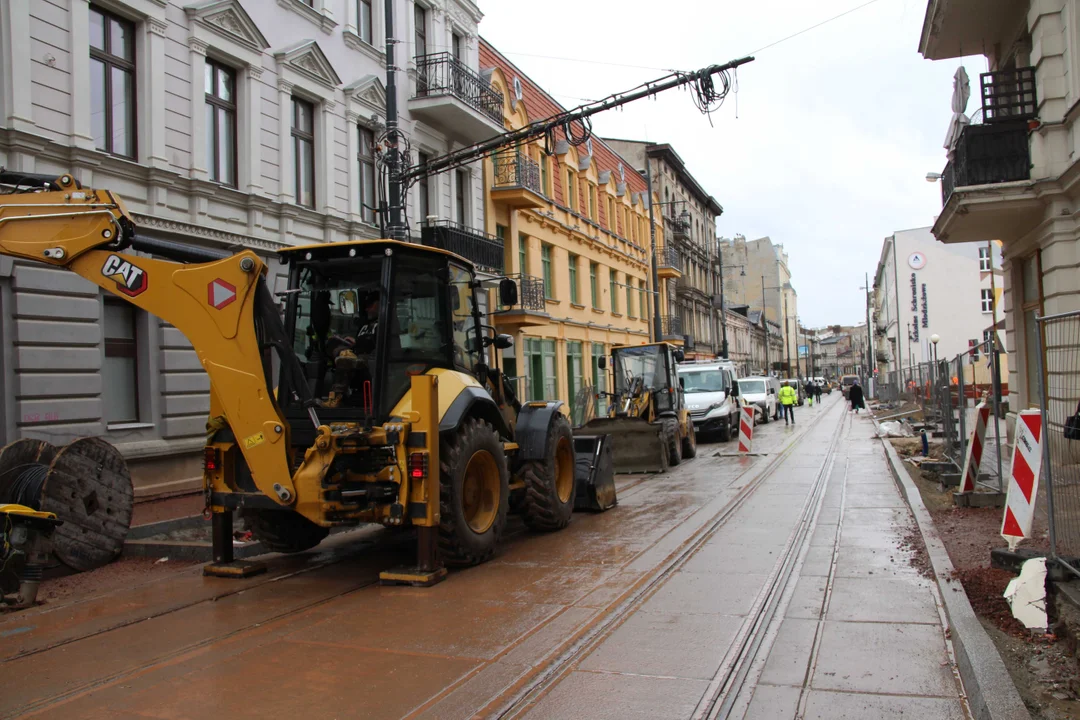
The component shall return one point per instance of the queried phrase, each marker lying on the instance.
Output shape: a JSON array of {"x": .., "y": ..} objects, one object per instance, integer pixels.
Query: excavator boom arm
[{"x": 213, "y": 303}]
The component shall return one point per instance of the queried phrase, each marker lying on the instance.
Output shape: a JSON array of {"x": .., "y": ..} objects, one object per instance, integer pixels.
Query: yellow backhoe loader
[
  {"x": 647, "y": 418},
  {"x": 370, "y": 400}
]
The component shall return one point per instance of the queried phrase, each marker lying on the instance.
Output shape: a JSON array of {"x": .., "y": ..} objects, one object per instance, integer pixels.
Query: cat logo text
[{"x": 130, "y": 279}]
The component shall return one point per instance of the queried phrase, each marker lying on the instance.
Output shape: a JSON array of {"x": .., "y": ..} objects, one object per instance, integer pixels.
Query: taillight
[
  {"x": 418, "y": 466},
  {"x": 211, "y": 459}
]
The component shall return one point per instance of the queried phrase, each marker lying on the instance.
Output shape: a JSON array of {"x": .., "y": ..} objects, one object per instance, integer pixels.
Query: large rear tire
[
  {"x": 283, "y": 531},
  {"x": 474, "y": 490},
  {"x": 549, "y": 483},
  {"x": 669, "y": 435},
  {"x": 689, "y": 443}
]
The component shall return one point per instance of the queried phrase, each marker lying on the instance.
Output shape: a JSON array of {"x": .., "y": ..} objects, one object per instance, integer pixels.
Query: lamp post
[
  {"x": 652, "y": 238},
  {"x": 765, "y": 321},
  {"x": 934, "y": 341}
]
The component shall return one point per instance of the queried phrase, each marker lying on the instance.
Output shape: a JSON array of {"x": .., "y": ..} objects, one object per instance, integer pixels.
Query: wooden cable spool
[{"x": 88, "y": 486}]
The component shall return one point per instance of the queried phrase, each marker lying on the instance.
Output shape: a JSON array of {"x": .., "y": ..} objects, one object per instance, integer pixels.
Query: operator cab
[
  {"x": 364, "y": 317},
  {"x": 641, "y": 369}
]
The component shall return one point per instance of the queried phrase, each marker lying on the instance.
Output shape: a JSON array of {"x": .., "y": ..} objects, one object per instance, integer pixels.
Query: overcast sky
[{"x": 826, "y": 146}]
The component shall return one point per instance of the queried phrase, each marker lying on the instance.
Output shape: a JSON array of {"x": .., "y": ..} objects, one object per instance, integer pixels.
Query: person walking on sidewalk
[
  {"x": 855, "y": 395},
  {"x": 817, "y": 393},
  {"x": 788, "y": 398}
]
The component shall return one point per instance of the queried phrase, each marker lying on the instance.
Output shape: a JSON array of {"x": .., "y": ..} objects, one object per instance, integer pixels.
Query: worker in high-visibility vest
[{"x": 788, "y": 398}]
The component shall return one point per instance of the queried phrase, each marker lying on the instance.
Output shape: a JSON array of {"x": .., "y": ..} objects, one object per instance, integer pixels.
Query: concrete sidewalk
[{"x": 863, "y": 633}]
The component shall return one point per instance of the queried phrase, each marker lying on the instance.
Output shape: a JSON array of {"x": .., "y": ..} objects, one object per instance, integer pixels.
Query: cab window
[{"x": 461, "y": 312}]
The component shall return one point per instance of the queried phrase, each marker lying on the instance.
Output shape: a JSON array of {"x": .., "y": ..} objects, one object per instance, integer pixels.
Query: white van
[
  {"x": 711, "y": 396},
  {"x": 760, "y": 392}
]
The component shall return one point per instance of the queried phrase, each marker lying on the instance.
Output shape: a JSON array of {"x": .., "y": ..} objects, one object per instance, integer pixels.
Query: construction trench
[{"x": 766, "y": 586}]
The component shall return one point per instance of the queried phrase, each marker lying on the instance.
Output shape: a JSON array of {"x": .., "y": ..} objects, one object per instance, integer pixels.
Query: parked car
[
  {"x": 711, "y": 396},
  {"x": 760, "y": 392}
]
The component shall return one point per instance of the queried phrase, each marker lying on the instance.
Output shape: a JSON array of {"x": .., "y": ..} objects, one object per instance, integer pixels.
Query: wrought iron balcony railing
[
  {"x": 988, "y": 154},
  {"x": 667, "y": 257},
  {"x": 530, "y": 293},
  {"x": 443, "y": 74},
  {"x": 679, "y": 230},
  {"x": 483, "y": 250},
  {"x": 671, "y": 326},
  {"x": 517, "y": 170}
]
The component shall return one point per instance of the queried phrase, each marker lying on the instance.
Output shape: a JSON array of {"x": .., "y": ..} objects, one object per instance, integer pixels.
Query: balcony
[
  {"x": 531, "y": 309},
  {"x": 484, "y": 251},
  {"x": 986, "y": 191},
  {"x": 671, "y": 329},
  {"x": 667, "y": 262},
  {"x": 517, "y": 182},
  {"x": 453, "y": 97},
  {"x": 678, "y": 229}
]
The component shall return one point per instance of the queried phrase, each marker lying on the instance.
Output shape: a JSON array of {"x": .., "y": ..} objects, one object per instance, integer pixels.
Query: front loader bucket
[
  {"x": 636, "y": 444},
  {"x": 594, "y": 473}
]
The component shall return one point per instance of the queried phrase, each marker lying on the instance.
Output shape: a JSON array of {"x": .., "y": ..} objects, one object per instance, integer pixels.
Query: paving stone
[
  {"x": 687, "y": 646},
  {"x": 807, "y": 598},
  {"x": 891, "y": 658},
  {"x": 771, "y": 702},
  {"x": 851, "y": 706},
  {"x": 790, "y": 653},
  {"x": 883, "y": 599},
  {"x": 873, "y": 562},
  {"x": 818, "y": 561},
  {"x": 695, "y": 593},
  {"x": 603, "y": 696}
]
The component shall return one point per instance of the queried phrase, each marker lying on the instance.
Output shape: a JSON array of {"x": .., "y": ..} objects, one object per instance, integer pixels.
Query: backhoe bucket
[
  {"x": 594, "y": 472},
  {"x": 636, "y": 444}
]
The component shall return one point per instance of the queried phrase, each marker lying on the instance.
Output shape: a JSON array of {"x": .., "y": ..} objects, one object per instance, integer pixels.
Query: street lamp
[
  {"x": 933, "y": 176},
  {"x": 935, "y": 338}
]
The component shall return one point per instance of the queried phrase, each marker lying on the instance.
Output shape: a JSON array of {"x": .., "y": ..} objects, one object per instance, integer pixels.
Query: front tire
[
  {"x": 689, "y": 443},
  {"x": 549, "y": 483},
  {"x": 669, "y": 435},
  {"x": 725, "y": 431},
  {"x": 283, "y": 531},
  {"x": 474, "y": 490}
]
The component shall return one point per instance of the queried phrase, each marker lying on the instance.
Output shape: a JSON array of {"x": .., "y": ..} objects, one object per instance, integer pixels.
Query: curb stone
[{"x": 990, "y": 690}]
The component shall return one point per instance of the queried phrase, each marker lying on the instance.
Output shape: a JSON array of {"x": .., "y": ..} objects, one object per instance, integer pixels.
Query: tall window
[
  {"x": 420, "y": 23},
  {"x": 984, "y": 259},
  {"x": 571, "y": 191},
  {"x": 367, "y": 175},
  {"x": 424, "y": 188},
  {"x": 641, "y": 301},
  {"x": 112, "y": 83},
  {"x": 363, "y": 20},
  {"x": 456, "y": 47},
  {"x": 987, "y": 301},
  {"x": 545, "y": 181},
  {"x": 221, "y": 122},
  {"x": 613, "y": 291},
  {"x": 575, "y": 380},
  {"x": 303, "y": 135},
  {"x": 612, "y": 219},
  {"x": 630, "y": 298},
  {"x": 462, "y": 177},
  {"x": 549, "y": 285},
  {"x": 541, "y": 380},
  {"x": 573, "y": 262},
  {"x": 592, "y": 202},
  {"x": 593, "y": 289},
  {"x": 120, "y": 373},
  {"x": 599, "y": 378},
  {"x": 523, "y": 253}
]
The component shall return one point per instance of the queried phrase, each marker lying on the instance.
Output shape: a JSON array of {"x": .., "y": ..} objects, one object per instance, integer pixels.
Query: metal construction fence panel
[{"x": 1059, "y": 343}]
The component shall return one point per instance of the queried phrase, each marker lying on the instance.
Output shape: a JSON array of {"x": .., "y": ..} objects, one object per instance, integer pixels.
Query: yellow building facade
[{"x": 575, "y": 230}]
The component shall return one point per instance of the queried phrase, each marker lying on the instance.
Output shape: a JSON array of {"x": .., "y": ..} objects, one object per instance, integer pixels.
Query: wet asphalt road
[{"x": 766, "y": 586}]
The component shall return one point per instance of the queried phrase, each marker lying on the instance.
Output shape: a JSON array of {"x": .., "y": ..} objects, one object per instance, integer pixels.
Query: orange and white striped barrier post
[
  {"x": 746, "y": 429},
  {"x": 973, "y": 456},
  {"x": 1023, "y": 478}
]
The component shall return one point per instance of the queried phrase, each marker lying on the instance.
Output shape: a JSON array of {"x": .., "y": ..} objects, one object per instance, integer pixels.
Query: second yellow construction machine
[
  {"x": 369, "y": 400},
  {"x": 647, "y": 417}
]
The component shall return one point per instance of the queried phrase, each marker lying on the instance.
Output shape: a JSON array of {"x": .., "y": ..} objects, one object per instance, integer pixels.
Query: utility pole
[
  {"x": 787, "y": 338},
  {"x": 723, "y": 312},
  {"x": 765, "y": 324},
  {"x": 656, "y": 329},
  {"x": 395, "y": 227},
  {"x": 995, "y": 366},
  {"x": 870, "y": 360}
]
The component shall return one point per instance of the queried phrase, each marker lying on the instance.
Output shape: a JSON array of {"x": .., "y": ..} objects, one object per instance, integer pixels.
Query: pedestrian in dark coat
[
  {"x": 855, "y": 395},
  {"x": 817, "y": 393}
]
